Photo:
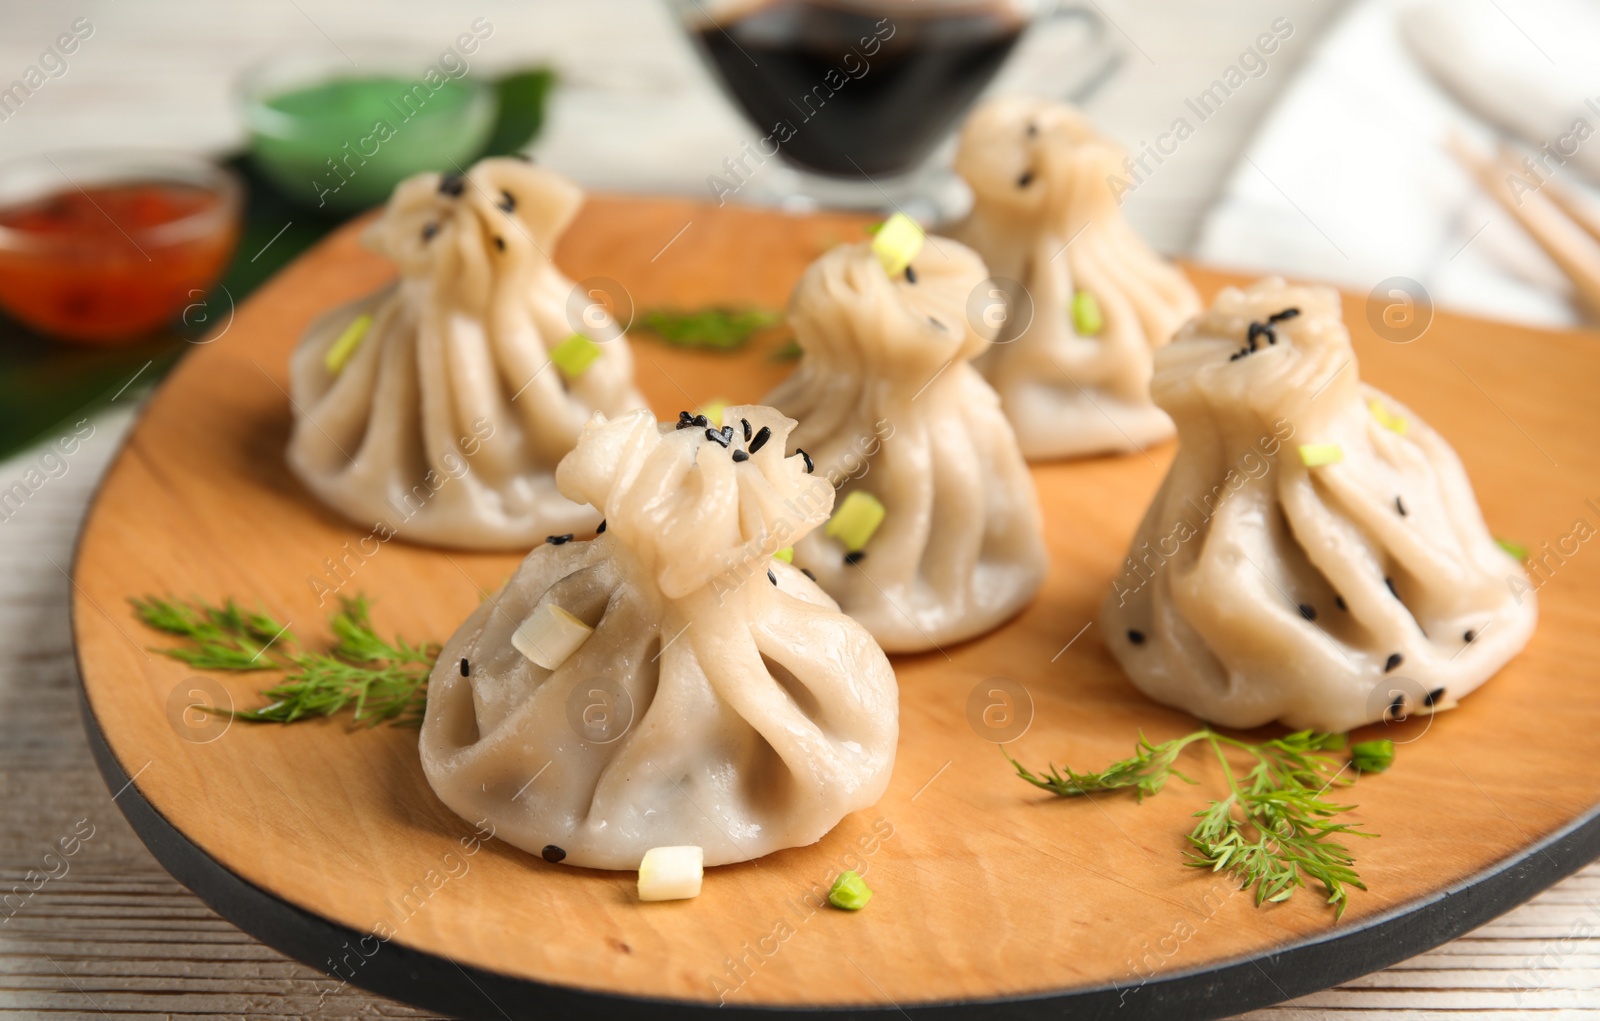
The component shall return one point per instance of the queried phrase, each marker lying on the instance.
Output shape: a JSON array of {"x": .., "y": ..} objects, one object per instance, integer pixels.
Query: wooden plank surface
[{"x": 979, "y": 848}]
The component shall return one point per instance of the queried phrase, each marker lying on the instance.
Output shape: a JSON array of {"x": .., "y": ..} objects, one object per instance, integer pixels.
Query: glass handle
[{"x": 1095, "y": 60}]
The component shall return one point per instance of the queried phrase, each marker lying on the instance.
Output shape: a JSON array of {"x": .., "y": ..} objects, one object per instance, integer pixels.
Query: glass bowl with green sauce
[{"x": 337, "y": 131}]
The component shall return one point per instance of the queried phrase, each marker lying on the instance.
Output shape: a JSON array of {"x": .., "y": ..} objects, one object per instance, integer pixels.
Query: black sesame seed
[
  {"x": 1390, "y": 582},
  {"x": 1256, "y": 330},
  {"x": 1233, "y": 357},
  {"x": 500, "y": 244},
  {"x": 714, "y": 434},
  {"x": 1398, "y": 706},
  {"x": 702, "y": 421},
  {"x": 855, "y": 556},
  {"x": 1308, "y": 611},
  {"x": 760, "y": 439},
  {"x": 558, "y": 540},
  {"x": 772, "y": 577},
  {"x": 1278, "y": 317},
  {"x": 739, "y": 455},
  {"x": 810, "y": 466},
  {"x": 428, "y": 231},
  {"x": 807, "y": 572},
  {"x": 1433, "y": 697},
  {"x": 911, "y": 275},
  {"x": 685, "y": 421},
  {"x": 552, "y": 853},
  {"x": 1136, "y": 637},
  {"x": 1026, "y": 179},
  {"x": 745, "y": 422},
  {"x": 1394, "y": 660},
  {"x": 1400, "y": 505},
  {"x": 508, "y": 202},
  {"x": 1033, "y": 129},
  {"x": 452, "y": 185},
  {"x": 727, "y": 431},
  {"x": 466, "y": 668},
  {"x": 1468, "y": 636},
  {"x": 602, "y": 529},
  {"x": 1339, "y": 602}
]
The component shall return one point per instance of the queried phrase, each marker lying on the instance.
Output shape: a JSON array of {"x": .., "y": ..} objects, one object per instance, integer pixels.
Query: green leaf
[{"x": 523, "y": 95}]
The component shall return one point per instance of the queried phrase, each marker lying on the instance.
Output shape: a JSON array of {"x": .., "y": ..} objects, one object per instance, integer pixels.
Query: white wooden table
[{"x": 112, "y": 935}]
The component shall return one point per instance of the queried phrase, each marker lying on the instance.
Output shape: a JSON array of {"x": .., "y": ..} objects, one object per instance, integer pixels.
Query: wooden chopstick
[{"x": 1555, "y": 219}]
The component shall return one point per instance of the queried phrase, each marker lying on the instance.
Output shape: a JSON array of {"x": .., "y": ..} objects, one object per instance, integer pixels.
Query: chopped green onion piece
[
  {"x": 339, "y": 354},
  {"x": 671, "y": 873},
  {"x": 550, "y": 636},
  {"x": 713, "y": 410},
  {"x": 1372, "y": 756},
  {"x": 856, "y": 519},
  {"x": 1315, "y": 455},
  {"x": 897, "y": 243},
  {"x": 1086, "y": 317},
  {"x": 1394, "y": 423},
  {"x": 574, "y": 355},
  {"x": 1514, "y": 548},
  {"x": 849, "y": 892},
  {"x": 872, "y": 228},
  {"x": 786, "y": 555}
]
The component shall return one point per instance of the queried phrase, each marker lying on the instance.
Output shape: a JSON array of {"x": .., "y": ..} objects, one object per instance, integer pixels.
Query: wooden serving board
[{"x": 992, "y": 899}]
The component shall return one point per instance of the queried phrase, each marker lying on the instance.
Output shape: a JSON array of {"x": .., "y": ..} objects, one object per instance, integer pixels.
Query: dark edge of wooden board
[{"x": 1201, "y": 994}]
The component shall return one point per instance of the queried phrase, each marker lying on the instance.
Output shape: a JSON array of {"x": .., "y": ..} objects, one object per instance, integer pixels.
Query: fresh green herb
[
  {"x": 1514, "y": 548},
  {"x": 788, "y": 352},
  {"x": 721, "y": 329},
  {"x": 1372, "y": 756},
  {"x": 849, "y": 892},
  {"x": 379, "y": 680},
  {"x": 1273, "y": 831}
]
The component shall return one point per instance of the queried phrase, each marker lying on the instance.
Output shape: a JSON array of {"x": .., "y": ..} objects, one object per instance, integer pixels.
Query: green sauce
[{"x": 345, "y": 143}]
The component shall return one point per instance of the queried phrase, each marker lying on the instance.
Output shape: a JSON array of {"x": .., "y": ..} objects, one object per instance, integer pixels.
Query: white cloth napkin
[{"x": 1348, "y": 181}]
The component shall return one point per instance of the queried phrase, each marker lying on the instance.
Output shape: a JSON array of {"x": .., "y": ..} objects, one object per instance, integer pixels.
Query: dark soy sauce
[{"x": 862, "y": 88}]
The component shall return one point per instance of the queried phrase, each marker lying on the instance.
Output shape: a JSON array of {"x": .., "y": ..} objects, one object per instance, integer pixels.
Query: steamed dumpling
[
  {"x": 889, "y": 407},
  {"x": 448, "y": 419},
  {"x": 1267, "y": 585},
  {"x": 721, "y": 700},
  {"x": 1044, "y": 215}
]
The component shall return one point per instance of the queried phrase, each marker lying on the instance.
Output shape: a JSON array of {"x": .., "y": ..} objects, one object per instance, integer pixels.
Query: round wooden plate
[{"x": 992, "y": 899}]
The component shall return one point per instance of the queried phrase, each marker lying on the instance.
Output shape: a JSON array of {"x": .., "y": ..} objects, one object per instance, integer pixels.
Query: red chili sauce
[{"x": 111, "y": 263}]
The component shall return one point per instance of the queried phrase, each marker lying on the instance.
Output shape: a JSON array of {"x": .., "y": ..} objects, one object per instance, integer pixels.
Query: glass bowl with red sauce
[{"x": 106, "y": 246}]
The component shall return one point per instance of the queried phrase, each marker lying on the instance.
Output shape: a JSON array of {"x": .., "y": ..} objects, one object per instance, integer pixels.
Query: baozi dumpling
[
  {"x": 1045, "y": 216},
  {"x": 893, "y": 414},
  {"x": 1316, "y": 554},
  {"x": 721, "y": 699},
  {"x": 447, "y": 418}
]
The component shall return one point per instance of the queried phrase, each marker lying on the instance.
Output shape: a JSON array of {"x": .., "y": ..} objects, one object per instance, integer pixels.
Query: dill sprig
[
  {"x": 1274, "y": 831},
  {"x": 379, "y": 680},
  {"x": 722, "y": 329}
]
